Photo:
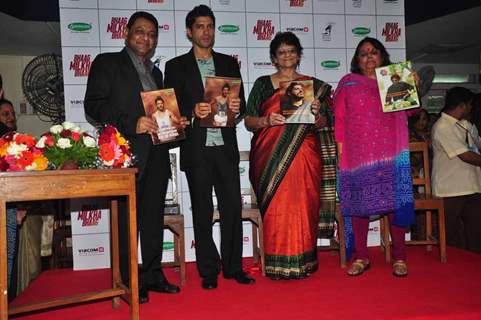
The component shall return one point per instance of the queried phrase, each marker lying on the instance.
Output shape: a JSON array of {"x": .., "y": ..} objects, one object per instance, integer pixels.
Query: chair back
[
  {"x": 244, "y": 156},
  {"x": 423, "y": 180},
  {"x": 171, "y": 197}
]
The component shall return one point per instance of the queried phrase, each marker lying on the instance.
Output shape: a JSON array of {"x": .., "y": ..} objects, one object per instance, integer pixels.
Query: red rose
[
  {"x": 8, "y": 136},
  {"x": 75, "y": 136},
  {"x": 50, "y": 140},
  {"x": 65, "y": 133},
  {"x": 109, "y": 130},
  {"x": 104, "y": 139},
  {"x": 3, "y": 164}
]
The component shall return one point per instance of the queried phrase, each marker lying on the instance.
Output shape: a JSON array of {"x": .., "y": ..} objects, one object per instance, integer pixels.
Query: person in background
[
  {"x": 113, "y": 97},
  {"x": 209, "y": 156},
  {"x": 374, "y": 176},
  {"x": 15, "y": 216},
  {"x": 420, "y": 131},
  {"x": 456, "y": 170},
  {"x": 285, "y": 166}
]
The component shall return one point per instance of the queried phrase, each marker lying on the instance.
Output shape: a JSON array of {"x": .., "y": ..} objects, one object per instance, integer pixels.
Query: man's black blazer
[
  {"x": 113, "y": 97},
  {"x": 182, "y": 74}
]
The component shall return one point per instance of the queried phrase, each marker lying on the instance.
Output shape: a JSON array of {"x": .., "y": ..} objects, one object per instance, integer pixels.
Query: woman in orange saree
[{"x": 285, "y": 167}]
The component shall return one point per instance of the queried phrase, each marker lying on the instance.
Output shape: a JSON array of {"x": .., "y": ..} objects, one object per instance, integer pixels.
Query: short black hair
[
  {"x": 159, "y": 98},
  {"x": 5, "y": 101},
  {"x": 288, "y": 38},
  {"x": 199, "y": 11},
  {"x": 457, "y": 96},
  {"x": 145, "y": 15},
  {"x": 226, "y": 85},
  {"x": 376, "y": 44}
]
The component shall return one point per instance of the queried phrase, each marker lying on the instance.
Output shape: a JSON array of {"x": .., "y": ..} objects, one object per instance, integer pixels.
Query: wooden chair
[
  {"x": 424, "y": 201},
  {"x": 174, "y": 221},
  {"x": 250, "y": 212}
]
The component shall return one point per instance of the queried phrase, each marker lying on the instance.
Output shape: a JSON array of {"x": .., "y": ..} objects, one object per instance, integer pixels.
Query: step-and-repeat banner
[{"x": 329, "y": 31}]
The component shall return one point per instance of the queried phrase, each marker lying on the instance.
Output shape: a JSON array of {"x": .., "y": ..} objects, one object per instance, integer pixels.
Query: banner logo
[
  {"x": 164, "y": 27},
  {"x": 327, "y": 31},
  {"x": 76, "y": 103},
  {"x": 357, "y": 3},
  {"x": 361, "y": 31},
  {"x": 79, "y": 26},
  {"x": 90, "y": 217},
  {"x": 296, "y": 3},
  {"x": 262, "y": 65},
  {"x": 168, "y": 245},
  {"x": 298, "y": 29},
  {"x": 81, "y": 65},
  {"x": 117, "y": 26},
  {"x": 91, "y": 251},
  {"x": 264, "y": 29},
  {"x": 331, "y": 64},
  {"x": 228, "y": 28},
  {"x": 391, "y": 32}
]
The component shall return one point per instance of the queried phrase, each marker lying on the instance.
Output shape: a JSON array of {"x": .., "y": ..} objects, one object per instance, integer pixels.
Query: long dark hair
[{"x": 376, "y": 44}]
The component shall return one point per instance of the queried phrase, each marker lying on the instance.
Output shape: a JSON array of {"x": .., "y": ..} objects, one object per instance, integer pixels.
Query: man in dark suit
[
  {"x": 209, "y": 156},
  {"x": 113, "y": 97}
]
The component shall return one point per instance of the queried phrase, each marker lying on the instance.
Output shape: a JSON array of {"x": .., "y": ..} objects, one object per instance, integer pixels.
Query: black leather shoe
[
  {"x": 143, "y": 295},
  {"x": 164, "y": 287},
  {"x": 208, "y": 283},
  {"x": 241, "y": 278}
]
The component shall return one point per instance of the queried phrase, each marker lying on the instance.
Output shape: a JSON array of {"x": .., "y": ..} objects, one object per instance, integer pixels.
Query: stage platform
[{"x": 433, "y": 290}]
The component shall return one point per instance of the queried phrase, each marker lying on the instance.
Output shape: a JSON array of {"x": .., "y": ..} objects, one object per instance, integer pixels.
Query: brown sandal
[
  {"x": 399, "y": 268},
  {"x": 358, "y": 267}
]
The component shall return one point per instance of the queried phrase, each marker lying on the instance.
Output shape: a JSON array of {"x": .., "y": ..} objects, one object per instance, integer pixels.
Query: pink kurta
[{"x": 374, "y": 171}]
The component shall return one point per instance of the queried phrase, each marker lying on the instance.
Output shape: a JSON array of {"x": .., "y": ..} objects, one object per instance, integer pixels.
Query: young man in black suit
[
  {"x": 209, "y": 156},
  {"x": 113, "y": 97}
]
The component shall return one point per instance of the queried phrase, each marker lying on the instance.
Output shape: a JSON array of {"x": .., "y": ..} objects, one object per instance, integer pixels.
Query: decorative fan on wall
[{"x": 42, "y": 84}]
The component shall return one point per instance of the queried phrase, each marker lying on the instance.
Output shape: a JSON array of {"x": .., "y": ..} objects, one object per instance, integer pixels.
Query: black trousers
[
  {"x": 463, "y": 221},
  {"x": 216, "y": 170},
  {"x": 151, "y": 191}
]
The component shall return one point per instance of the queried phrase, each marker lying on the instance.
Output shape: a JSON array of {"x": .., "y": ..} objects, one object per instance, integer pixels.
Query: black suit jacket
[
  {"x": 113, "y": 97},
  {"x": 182, "y": 74}
]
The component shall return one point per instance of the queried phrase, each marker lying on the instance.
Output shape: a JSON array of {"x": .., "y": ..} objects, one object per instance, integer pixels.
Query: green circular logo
[
  {"x": 228, "y": 28},
  {"x": 330, "y": 64},
  {"x": 80, "y": 26},
  {"x": 361, "y": 31}
]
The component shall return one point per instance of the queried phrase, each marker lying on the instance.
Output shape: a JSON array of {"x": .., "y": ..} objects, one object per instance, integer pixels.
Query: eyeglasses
[
  {"x": 7, "y": 113},
  {"x": 364, "y": 54},
  {"x": 140, "y": 32},
  {"x": 286, "y": 52}
]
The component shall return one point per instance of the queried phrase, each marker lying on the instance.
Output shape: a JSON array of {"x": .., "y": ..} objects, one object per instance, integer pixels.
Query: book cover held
[
  {"x": 296, "y": 100},
  {"x": 397, "y": 87},
  {"x": 218, "y": 93},
  {"x": 161, "y": 105}
]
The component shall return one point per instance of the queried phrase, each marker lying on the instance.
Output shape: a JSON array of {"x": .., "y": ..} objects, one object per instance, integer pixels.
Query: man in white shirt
[{"x": 456, "y": 170}]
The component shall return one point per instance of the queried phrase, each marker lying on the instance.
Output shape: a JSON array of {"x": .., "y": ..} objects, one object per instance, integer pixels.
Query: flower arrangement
[
  {"x": 19, "y": 153},
  {"x": 67, "y": 147},
  {"x": 114, "y": 150}
]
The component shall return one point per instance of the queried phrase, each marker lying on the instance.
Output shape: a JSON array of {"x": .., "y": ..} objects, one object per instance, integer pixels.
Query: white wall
[{"x": 11, "y": 69}]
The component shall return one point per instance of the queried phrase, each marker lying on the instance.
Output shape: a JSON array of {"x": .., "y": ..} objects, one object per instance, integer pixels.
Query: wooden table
[{"x": 66, "y": 184}]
